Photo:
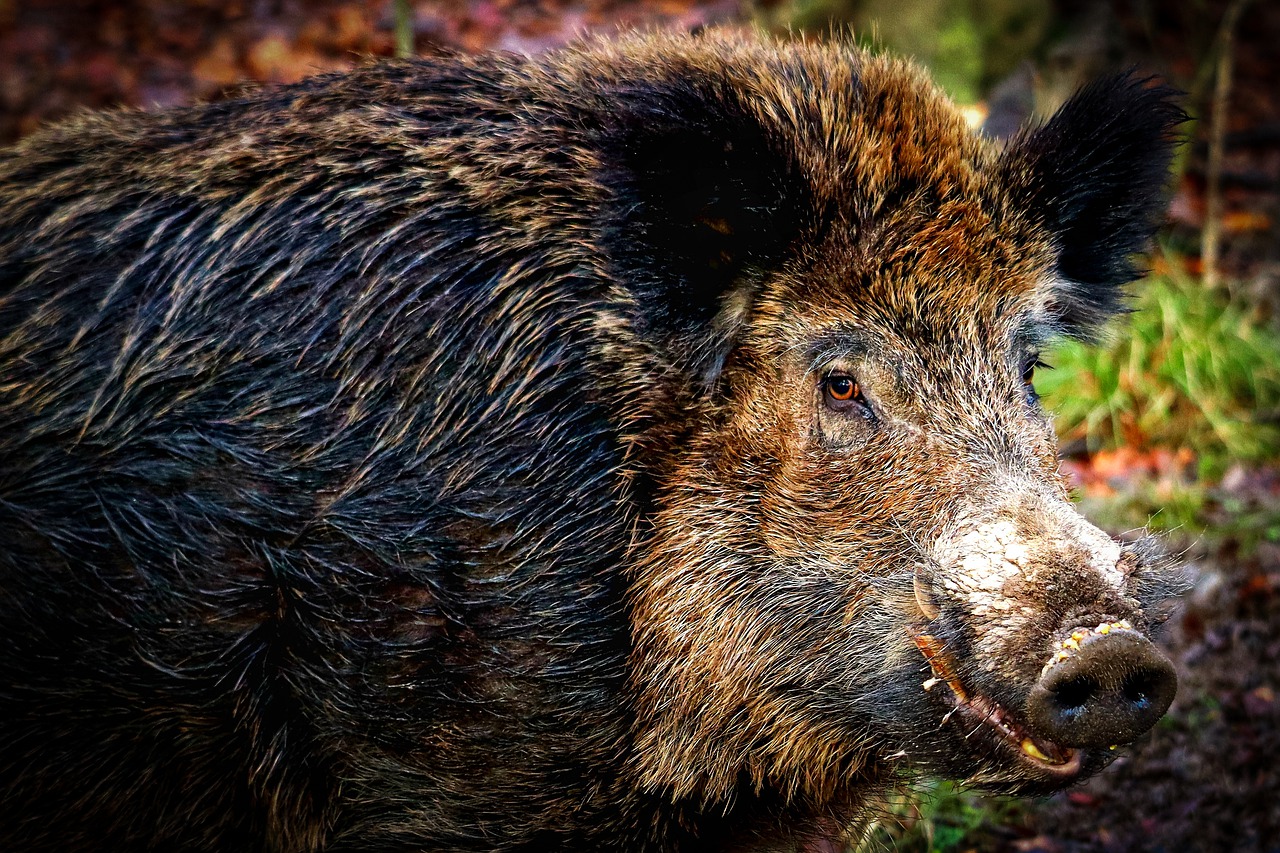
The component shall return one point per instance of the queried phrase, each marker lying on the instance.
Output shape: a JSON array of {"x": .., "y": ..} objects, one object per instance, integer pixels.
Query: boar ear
[
  {"x": 1095, "y": 176},
  {"x": 703, "y": 203}
]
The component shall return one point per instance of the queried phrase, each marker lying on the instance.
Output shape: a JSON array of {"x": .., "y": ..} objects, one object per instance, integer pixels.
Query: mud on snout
[{"x": 1035, "y": 626}]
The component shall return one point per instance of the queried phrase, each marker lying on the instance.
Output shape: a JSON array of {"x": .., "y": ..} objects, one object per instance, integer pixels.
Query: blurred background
[{"x": 1173, "y": 422}]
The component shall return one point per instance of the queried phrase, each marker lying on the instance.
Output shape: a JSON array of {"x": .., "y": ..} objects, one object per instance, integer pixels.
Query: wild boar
[{"x": 633, "y": 447}]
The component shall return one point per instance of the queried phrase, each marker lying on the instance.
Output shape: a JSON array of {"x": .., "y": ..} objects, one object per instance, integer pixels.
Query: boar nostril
[
  {"x": 1072, "y": 696},
  {"x": 1141, "y": 687},
  {"x": 1110, "y": 691}
]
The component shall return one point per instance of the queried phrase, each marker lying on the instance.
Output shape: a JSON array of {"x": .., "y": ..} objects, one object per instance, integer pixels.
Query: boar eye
[
  {"x": 1028, "y": 378},
  {"x": 842, "y": 392}
]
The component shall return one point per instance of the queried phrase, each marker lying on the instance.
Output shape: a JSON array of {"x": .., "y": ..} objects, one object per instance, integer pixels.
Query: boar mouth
[{"x": 979, "y": 713}]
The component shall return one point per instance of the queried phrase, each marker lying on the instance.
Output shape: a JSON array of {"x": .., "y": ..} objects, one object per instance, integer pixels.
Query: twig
[
  {"x": 1210, "y": 236},
  {"x": 404, "y": 28}
]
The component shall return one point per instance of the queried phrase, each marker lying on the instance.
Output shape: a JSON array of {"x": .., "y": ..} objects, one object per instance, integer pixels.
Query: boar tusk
[
  {"x": 923, "y": 599},
  {"x": 935, "y": 653}
]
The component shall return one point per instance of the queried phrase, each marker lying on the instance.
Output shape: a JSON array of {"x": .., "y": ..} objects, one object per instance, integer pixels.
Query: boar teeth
[
  {"x": 1030, "y": 748},
  {"x": 986, "y": 711}
]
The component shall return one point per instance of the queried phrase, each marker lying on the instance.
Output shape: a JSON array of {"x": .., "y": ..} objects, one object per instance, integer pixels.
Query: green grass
[
  {"x": 1191, "y": 371},
  {"x": 941, "y": 817},
  {"x": 1188, "y": 368}
]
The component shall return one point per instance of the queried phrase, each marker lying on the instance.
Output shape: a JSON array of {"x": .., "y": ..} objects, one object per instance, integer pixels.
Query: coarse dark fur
[{"x": 436, "y": 456}]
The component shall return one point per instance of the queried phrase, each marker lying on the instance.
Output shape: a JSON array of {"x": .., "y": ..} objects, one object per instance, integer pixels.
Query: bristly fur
[{"x": 440, "y": 456}]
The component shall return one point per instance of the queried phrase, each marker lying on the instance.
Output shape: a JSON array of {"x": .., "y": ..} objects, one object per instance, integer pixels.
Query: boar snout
[
  {"x": 1108, "y": 685},
  {"x": 1036, "y": 692}
]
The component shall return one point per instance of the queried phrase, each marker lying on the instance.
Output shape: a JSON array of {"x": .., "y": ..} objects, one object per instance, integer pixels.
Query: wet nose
[{"x": 1108, "y": 689}]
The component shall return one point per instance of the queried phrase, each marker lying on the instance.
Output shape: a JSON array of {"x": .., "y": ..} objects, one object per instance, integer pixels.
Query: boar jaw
[{"x": 976, "y": 712}]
